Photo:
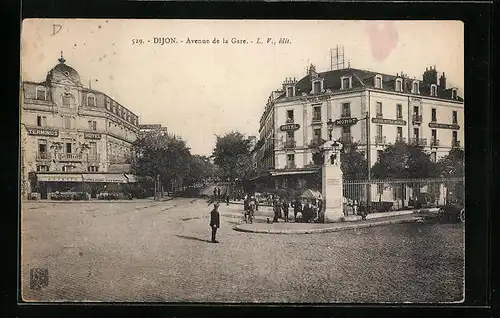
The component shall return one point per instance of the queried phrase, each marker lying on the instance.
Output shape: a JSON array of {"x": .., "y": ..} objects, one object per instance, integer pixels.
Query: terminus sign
[
  {"x": 42, "y": 132},
  {"x": 289, "y": 127}
]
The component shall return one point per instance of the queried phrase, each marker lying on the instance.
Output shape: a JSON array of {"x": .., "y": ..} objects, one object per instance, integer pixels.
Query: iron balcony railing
[
  {"x": 417, "y": 119},
  {"x": 455, "y": 144},
  {"x": 289, "y": 144},
  {"x": 434, "y": 142},
  {"x": 380, "y": 140},
  {"x": 418, "y": 141},
  {"x": 70, "y": 157},
  {"x": 400, "y": 139},
  {"x": 43, "y": 156},
  {"x": 289, "y": 120},
  {"x": 290, "y": 165}
]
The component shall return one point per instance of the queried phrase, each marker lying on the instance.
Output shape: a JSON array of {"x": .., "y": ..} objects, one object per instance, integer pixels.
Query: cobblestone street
[{"x": 160, "y": 252}]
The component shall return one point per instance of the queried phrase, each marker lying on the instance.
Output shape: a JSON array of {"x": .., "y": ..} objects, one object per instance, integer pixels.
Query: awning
[
  {"x": 131, "y": 178},
  {"x": 94, "y": 177},
  {"x": 48, "y": 177},
  {"x": 115, "y": 177}
]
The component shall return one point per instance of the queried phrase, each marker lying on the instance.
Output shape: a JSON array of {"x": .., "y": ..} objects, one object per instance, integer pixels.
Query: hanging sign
[
  {"x": 92, "y": 136},
  {"x": 444, "y": 126},
  {"x": 386, "y": 121},
  {"x": 289, "y": 127},
  {"x": 346, "y": 121}
]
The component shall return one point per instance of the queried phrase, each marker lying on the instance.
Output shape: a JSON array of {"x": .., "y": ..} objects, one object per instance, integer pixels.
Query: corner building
[
  {"x": 71, "y": 134},
  {"x": 294, "y": 123}
]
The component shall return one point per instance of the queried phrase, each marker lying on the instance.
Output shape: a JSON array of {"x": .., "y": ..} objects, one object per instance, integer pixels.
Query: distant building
[
  {"x": 71, "y": 134},
  {"x": 294, "y": 122}
]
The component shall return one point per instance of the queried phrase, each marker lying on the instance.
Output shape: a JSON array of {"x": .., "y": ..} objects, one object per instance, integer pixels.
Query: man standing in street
[{"x": 214, "y": 221}]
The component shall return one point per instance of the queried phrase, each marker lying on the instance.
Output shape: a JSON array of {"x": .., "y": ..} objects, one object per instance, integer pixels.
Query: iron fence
[{"x": 394, "y": 195}]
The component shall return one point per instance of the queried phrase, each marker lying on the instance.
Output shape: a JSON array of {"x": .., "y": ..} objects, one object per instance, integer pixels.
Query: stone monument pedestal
[{"x": 332, "y": 184}]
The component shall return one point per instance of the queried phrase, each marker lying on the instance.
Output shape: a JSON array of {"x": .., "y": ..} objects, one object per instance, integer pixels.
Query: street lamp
[{"x": 330, "y": 128}]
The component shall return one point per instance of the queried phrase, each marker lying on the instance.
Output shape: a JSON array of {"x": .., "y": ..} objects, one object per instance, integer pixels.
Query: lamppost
[{"x": 330, "y": 128}]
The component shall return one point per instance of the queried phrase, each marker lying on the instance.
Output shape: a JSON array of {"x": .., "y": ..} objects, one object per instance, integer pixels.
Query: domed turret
[{"x": 61, "y": 73}]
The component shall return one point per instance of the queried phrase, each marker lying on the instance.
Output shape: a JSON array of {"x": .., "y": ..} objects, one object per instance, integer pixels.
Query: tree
[
  {"x": 452, "y": 165},
  {"x": 403, "y": 161},
  {"x": 232, "y": 155},
  {"x": 161, "y": 154},
  {"x": 200, "y": 168},
  {"x": 353, "y": 163}
]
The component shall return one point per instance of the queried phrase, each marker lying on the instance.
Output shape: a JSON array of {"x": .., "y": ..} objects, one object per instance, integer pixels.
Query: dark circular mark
[
  {"x": 99, "y": 27},
  {"x": 74, "y": 44},
  {"x": 80, "y": 253}
]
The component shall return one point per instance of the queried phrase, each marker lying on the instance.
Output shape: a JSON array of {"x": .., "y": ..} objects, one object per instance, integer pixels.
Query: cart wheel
[
  {"x": 440, "y": 214},
  {"x": 462, "y": 215}
]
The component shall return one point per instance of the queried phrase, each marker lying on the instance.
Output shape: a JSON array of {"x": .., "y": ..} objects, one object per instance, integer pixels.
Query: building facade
[
  {"x": 417, "y": 111},
  {"x": 69, "y": 132}
]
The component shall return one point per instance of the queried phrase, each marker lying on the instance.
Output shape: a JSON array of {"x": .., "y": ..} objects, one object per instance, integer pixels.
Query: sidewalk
[
  {"x": 99, "y": 201},
  {"x": 309, "y": 228}
]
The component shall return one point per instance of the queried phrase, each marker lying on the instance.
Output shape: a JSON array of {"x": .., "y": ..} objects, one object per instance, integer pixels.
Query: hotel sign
[
  {"x": 92, "y": 136},
  {"x": 346, "y": 121},
  {"x": 386, "y": 121},
  {"x": 289, "y": 127},
  {"x": 444, "y": 126},
  {"x": 42, "y": 132}
]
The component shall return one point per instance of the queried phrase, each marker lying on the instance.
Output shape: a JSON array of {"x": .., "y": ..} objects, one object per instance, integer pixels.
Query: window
[
  {"x": 68, "y": 168},
  {"x": 42, "y": 148},
  {"x": 91, "y": 101},
  {"x": 346, "y": 133},
  {"x": 434, "y": 135},
  {"x": 41, "y": 94},
  {"x": 454, "y": 137},
  {"x": 93, "y": 149},
  {"x": 433, "y": 90},
  {"x": 346, "y": 110},
  {"x": 379, "y": 109},
  {"x": 290, "y": 159},
  {"x": 433, "y": 114},
  {"x": 67, "y": 122},
  {"x": 94, "y": 125},
  {"x": 416, "y": 133},
  {"x": 108, "y": 104},
  {"x": 399, "y": 85},
  {"x": 42, "y": 168},
  {"x": 289, "y": 116},
  {"x": 379, "y": 154},
  {"x": 317, "y": 113},
  {"x": 346, "y": 83},
  {"x": 399, "y": 111},
  {"x": 379, "y": 132},
  {"x": 66, "y": 99},
  {"x": 39, "y": 121},
  {"x": 68, "y": 147},
  {"x": 454, "y": 94},
  {"x": 415, "y": 87},
  {"x": 380, "y": 188},
  {"x": 378, "y": 81},
  {"x": 317, "y": 134},
  {"x": 93, "y": 169},
  {"x": 415, "y": 110},
  {"x": 289, "y": 91},
  {"x": 454, "y": 117},
  {"x": 399, "y": 134},
  {"x": 317, "y": 87}
]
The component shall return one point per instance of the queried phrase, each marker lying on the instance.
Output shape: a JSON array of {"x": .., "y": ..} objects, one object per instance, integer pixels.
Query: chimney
[{"x": 442, "y": 81}]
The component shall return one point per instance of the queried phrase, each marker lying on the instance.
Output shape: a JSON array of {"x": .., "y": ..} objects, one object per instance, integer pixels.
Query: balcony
[
  {"x": 43, "y": 156},
  {"x": 289, "y": 120},
  {"x": 346, "y": 139},
  {"x": 418, "y": 141},
  {"x": 316, "y": 120},
  {"x": 417, "y": 119},
  {"x": 290, "y": 165},
  {"x": 400, "y": 139},
  {"x": 345, "y": 115},
  {"x": 455, "y": 144},
  {"x": 380, "y": 140},
  {"x": 70, "y": 157},
  {"x": 289, "y": 144},
  {"x": 434, "y": 142}
]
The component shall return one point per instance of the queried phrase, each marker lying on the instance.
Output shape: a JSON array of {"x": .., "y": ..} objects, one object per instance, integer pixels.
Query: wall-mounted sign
[
  {"x": 91, "y": 135},
  {"x": 150, "y": 126},
  {"x": 289, "y": 127},
  {"x": 42, "y": 132},
  {"x": 444, "y": 126},
  {"x": 387, "y": 121},
  {"x": 346, "y": 121}
]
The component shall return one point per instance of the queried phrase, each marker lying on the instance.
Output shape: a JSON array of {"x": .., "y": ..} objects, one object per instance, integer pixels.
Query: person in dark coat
[
  {"x": 214, "y": 221},
  {"x": 215, "y": 193},
  {"x": 227, "y": 199},
  {"x": 276, "y": 208},
  {"x": 297, "y": 207},
  {"x": 218, "y": 193},
  {"x": 285, "y": 210}
]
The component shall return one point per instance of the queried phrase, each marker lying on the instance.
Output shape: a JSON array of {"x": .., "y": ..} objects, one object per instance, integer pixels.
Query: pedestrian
[
  {"x": 214, "y": 221},
  {"x": 227, "y": 199},
  {"x": 285, "y": 209},
  {"x": 218, "y": 192},
  {"x": 297, "y": 207},
  {"x": 215, "y": 193}
]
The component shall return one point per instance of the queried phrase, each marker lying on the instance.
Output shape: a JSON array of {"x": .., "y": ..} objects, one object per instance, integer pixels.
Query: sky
[{"x": 199, "y": 91}]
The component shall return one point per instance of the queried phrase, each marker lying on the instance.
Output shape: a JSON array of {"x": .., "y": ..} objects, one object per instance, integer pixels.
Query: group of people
[
  {"x": 218, "y": 196},
  {"x": 306, "y": 210}
]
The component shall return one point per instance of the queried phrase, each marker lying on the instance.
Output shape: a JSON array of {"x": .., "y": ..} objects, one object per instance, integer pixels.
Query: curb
[{"x": 328, "y": 230}]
